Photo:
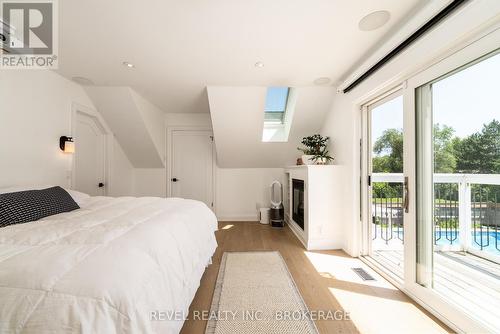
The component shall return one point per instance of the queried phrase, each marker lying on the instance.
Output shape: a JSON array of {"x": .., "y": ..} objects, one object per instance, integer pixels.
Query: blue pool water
[{"x": 489, "y": 240}]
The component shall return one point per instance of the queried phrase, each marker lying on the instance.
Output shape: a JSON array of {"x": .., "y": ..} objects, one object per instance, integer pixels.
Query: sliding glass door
[
  {"x": 458, "y": 188},
  {"x": 431, "y": 186},
  {"x": 384, "y": 238}
]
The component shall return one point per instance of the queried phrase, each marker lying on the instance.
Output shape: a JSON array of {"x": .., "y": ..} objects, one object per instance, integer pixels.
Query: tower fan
[{"x": 277, "y": 214}]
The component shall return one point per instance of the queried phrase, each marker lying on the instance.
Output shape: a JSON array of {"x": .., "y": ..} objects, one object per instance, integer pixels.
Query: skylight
[{"x": 276, "y": 104}]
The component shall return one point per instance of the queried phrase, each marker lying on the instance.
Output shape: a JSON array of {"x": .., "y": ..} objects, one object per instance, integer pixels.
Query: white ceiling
[{"x": 180, "y": 47}]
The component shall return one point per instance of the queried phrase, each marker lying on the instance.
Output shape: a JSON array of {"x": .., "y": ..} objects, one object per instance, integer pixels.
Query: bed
[{"x": 106, "y": 267}]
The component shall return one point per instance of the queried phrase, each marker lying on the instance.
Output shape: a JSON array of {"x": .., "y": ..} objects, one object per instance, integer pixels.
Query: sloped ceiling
[
  {"x": 179, "y": 47},
  {"x": 138, "y": 126},
  {"x": 238, "y": 117}
]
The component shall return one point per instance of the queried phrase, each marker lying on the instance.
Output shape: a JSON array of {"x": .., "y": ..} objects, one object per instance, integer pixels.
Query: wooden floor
[{"x": 325, "y": 280}]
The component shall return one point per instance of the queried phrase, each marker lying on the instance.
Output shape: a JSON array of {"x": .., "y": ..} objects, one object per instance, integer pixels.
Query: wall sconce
[{"x": 67, "y": 144}]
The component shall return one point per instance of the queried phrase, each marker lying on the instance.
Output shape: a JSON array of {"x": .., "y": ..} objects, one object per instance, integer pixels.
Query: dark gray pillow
[{"x": 27, "y": 206}]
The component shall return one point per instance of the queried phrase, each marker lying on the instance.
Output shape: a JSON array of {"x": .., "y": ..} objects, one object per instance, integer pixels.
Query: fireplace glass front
[{"x": 298, "y": 202}]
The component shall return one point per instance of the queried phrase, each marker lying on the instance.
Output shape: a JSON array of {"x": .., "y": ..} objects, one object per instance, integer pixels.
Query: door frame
[
  {"x": 475, "y": 49},
  {"x": 108, "y": 143},
  {"x": 464, "y": 51},
  {"x": 169, "y": 155},
  {"x": 366, "y": 168}
]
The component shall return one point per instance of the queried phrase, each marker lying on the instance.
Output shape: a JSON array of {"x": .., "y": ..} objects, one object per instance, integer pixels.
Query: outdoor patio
[
  {"x": 461, "y": 277},
  {"x": 466, "y": 238}
]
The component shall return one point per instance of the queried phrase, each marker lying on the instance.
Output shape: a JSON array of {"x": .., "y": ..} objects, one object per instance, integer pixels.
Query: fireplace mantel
[{"x": 319, "y": 209}]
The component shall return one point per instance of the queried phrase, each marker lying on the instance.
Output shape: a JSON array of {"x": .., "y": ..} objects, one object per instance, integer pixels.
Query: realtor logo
[{"x": 28, "y": 34}]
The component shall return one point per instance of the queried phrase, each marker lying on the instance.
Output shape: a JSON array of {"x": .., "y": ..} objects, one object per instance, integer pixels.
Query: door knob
[
  {"x": 175, "y": 179},
  {"x": 101, "y": 184}
]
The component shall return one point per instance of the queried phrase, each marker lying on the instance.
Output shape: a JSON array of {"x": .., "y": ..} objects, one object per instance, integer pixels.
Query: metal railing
[{"x": 466, "y": 211}]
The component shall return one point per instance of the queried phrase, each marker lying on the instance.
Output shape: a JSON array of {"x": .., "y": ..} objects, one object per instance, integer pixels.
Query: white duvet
[{"x": 105, "y": 267}]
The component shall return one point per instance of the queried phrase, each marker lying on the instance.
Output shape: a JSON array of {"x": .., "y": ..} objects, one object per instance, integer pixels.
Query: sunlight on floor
[
  {"x": 227, "y": 227},
  {"x": 374, "y": 306},
  {"x": 339, "y": 267}
]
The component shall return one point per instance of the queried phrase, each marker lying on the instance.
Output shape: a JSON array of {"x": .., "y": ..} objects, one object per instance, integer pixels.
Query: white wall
[
  {"x": 239, "y": 191},
  {"x": 343, "y": 122},
  {"x": 150, "y": 182},
  {"x": 185, "y": 119},
  {"x": 242, "y": 191},
  {"x": 122, "y": 174},
  {"x": 238, "y": 122},
  {"x": 35, "y": 111}
]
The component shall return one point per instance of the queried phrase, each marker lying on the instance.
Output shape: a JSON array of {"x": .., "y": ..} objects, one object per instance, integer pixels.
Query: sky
[
  {"x": 465, "y": 101},
  {"x": 470, "y": 98},
  {"x": 276, "y": 98}
]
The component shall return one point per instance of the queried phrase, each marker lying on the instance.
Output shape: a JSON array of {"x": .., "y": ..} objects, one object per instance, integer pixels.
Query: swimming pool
[{"x": 489, "y": 240}]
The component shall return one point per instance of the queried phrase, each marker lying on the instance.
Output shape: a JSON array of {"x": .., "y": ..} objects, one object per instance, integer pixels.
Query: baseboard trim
[{"x": 242, "y": 218}]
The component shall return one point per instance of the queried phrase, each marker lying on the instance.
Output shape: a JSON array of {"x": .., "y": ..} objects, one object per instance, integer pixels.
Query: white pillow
[{"x": 77, "y": 196}]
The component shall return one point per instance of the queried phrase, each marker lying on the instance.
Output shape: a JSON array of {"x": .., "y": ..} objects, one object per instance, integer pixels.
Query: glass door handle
[{"x": 406, "y": 196}]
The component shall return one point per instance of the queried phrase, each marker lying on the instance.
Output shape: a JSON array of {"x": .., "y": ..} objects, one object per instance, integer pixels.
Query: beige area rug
[{"x": 255, "y": 293}]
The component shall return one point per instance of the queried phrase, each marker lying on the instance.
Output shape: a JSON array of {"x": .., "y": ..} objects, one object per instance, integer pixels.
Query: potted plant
[{"x": 315, "y": 151}]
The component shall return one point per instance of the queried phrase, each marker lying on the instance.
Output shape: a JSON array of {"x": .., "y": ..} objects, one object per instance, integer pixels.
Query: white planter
[
  {"x": 307, "y": 159},
  {"x": 321, "y": 161}
]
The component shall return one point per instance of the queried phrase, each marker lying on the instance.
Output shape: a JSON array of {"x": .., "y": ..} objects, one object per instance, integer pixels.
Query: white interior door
[
  {"x": 90, "y": 153},
  {"x": 192, "y": 165}
]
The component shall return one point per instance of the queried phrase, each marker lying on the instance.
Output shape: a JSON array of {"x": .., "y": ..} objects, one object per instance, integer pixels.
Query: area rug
[{"x": 255, "y": 293}]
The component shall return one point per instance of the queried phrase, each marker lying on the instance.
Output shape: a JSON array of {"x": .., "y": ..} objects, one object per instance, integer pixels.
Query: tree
[
  {"x": 444, "y": 149},
  {"x": 388, "y": 151},
  {"x": 479, "y": 153}
]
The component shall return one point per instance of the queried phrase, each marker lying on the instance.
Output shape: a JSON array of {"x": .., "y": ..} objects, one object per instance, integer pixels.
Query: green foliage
[
  {"x": 444, "y": 152},
  {"x": 387, "y": 190},
  {"x": 446, "y": 223},
  {"x": 388, "y": 150},
  {"x": 313, "y": 144},
  {"x": 446, "y": 192},
  {"x": 480, "y": 152},
  {"x": 317, "y": 146}
]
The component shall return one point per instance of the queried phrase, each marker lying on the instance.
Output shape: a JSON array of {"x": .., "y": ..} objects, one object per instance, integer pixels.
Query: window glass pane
[
  {"x": 273, "y": 116},
  {"x": 458, "y": 188},
  {"x": 386, "y": 226},
  {"x": 276, "y": 104},
  {"x": 276, "y": 99}
]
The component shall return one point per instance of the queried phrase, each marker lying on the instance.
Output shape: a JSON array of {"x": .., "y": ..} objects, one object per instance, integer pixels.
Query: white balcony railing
[{"x": 466, "y": 212}]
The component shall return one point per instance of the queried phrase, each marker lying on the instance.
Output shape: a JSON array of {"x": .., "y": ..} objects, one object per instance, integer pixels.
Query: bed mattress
[{"x": 105, "y": 268}]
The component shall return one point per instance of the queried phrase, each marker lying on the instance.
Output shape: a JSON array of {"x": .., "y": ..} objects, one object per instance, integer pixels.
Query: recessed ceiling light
[
  {"x": 83, "y": 81},
  {"x": 374, "y": 20},
  {"x": 322, "y": 81},
  {"x": 129, "y": 65},
  {"x": 259, "y": 64}
]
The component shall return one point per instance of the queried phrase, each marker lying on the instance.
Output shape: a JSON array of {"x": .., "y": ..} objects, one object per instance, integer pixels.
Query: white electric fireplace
[{"x": 310, "y": 208}]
